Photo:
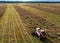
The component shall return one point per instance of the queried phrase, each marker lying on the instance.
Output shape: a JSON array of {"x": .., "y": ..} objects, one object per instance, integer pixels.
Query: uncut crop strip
[
  {"x": 50, "y": 26},
  {"x": 48, "y": 9}
]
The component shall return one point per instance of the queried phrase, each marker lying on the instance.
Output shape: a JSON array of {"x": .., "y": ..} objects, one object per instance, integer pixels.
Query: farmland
[{"x": 18, "y": 21}]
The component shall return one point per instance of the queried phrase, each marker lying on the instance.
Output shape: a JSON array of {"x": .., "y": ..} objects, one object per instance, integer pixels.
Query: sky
[{"x": 31, "y": 0}]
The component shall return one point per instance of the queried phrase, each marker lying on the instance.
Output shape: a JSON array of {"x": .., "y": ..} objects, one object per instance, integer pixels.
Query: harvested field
[
  {"x": 48, "y": 9},
  {"x": 40, "y": 21},
  {"x": 47, "y": 15},
  {"x": 20, "y": 20}
]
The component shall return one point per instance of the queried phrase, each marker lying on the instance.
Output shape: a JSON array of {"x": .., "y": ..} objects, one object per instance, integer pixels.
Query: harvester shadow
[{"x": 46, "y": 40}]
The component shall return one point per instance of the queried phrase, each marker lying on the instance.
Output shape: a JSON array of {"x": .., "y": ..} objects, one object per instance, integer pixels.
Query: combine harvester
[
  {"x": 40, "y": 33},
  {"x": 43, "y": 34}
]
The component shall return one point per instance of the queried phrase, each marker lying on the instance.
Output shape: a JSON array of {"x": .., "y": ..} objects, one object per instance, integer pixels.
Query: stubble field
[{"x": 18, "y": 21}]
